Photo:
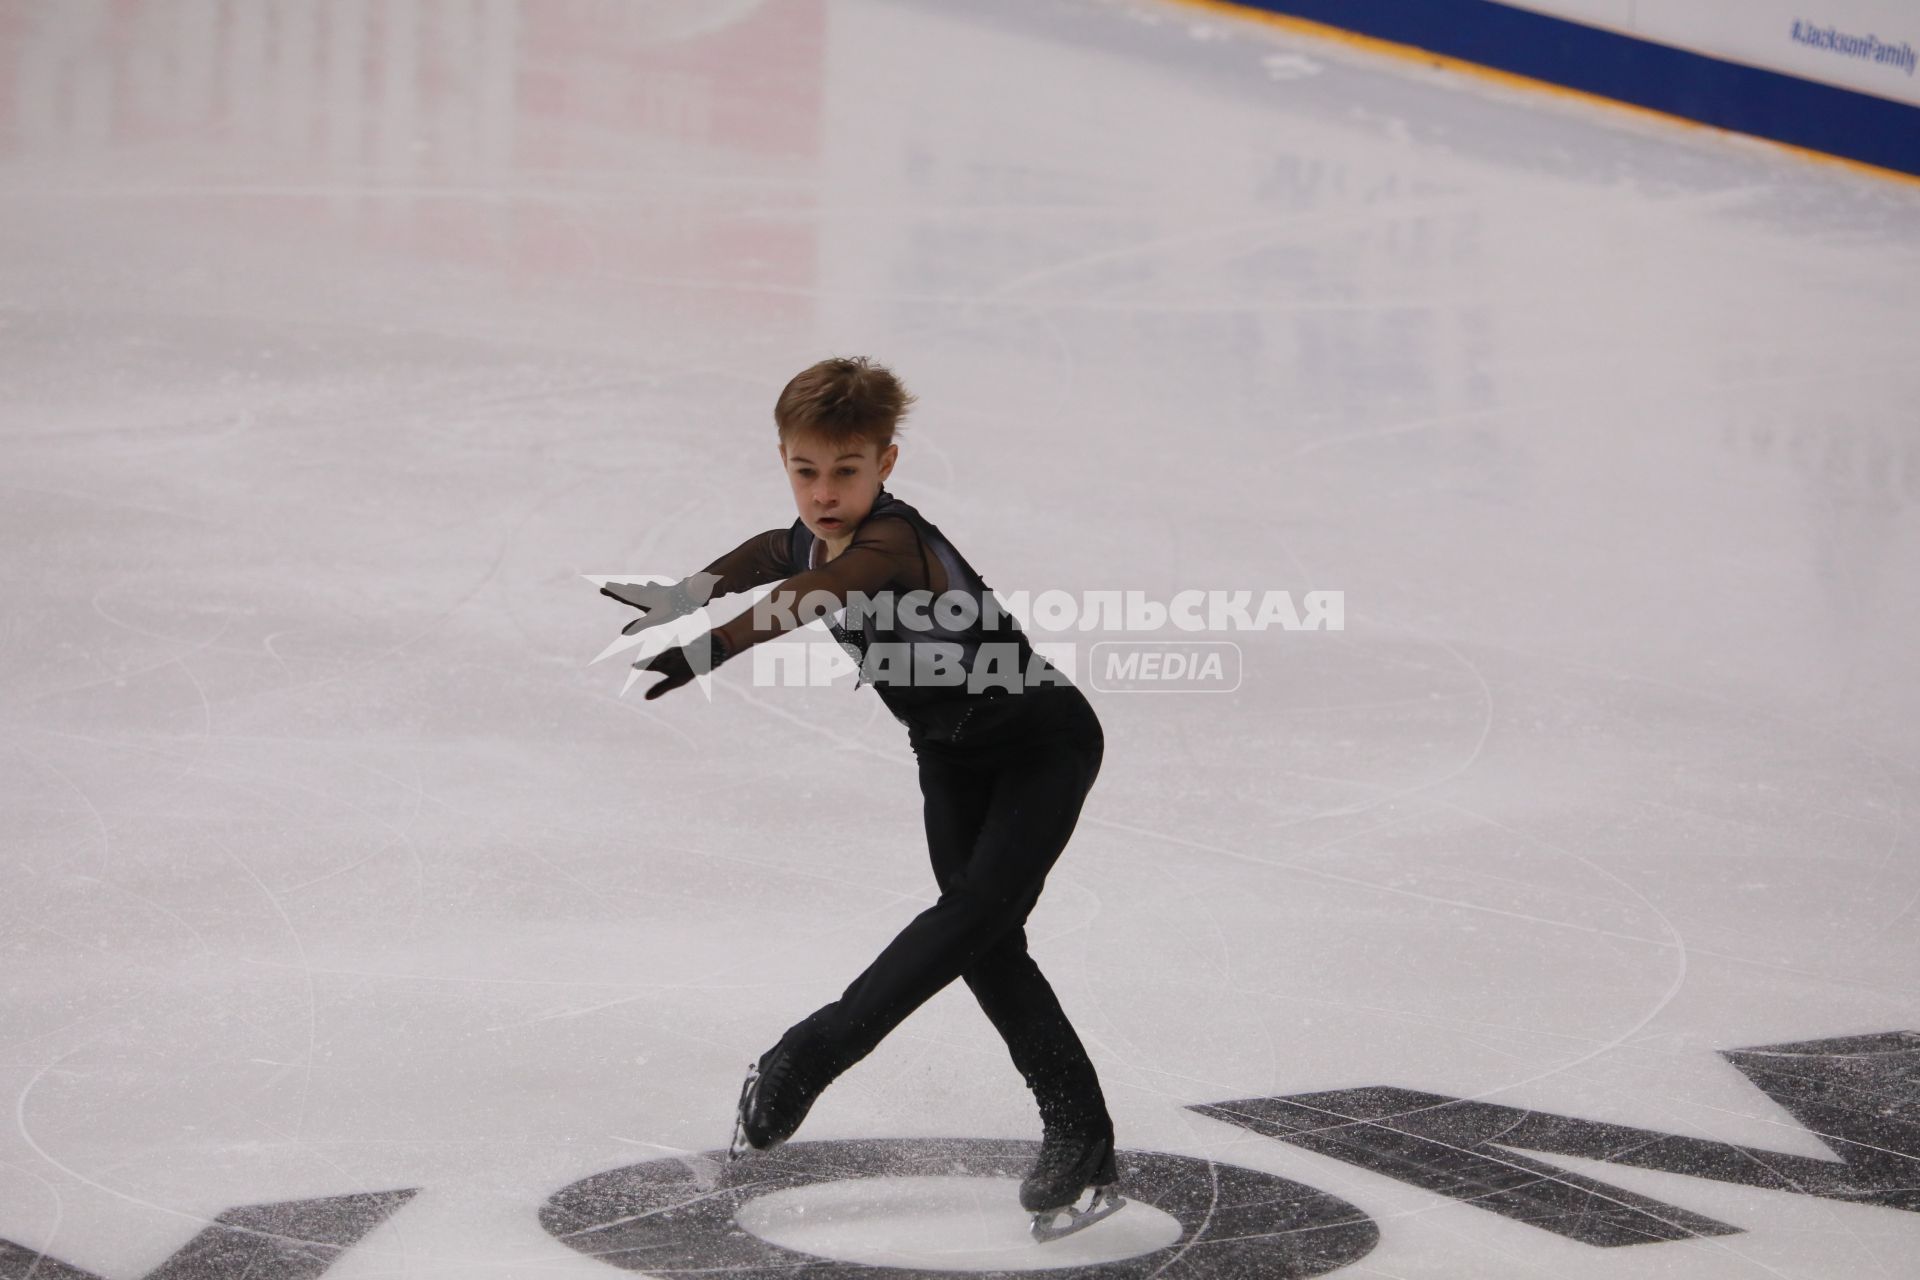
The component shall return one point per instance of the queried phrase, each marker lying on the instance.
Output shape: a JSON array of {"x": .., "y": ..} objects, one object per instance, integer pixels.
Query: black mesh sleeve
[
  {"x": 761, "y": 558},
  {"x": 884, "y": 555}
]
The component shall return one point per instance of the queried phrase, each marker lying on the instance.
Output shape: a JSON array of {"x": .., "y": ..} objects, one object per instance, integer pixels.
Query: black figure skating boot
[
  {"x": 778, "y": 1093},
  {"x": 1072, "y": 1159}
]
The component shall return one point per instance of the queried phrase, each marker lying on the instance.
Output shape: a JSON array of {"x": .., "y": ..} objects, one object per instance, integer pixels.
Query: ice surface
[
  {"x": 935, "y": 1222},
  {"x": 338, "y": 340}
]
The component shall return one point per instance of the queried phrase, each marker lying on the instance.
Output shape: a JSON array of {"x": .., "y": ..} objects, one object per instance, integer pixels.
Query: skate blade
[
  {"x": 1102, "y": 1204},
  {"x": 739, "y": 1146}
]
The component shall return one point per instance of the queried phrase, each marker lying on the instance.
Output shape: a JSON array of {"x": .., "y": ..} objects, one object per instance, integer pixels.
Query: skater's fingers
[
  {"x": 638, "y": 595},
  {"x": 673, "y": 665}
]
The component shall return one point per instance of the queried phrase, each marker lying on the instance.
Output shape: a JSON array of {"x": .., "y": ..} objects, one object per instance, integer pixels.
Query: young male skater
[{"x": 1007, "y": 749}]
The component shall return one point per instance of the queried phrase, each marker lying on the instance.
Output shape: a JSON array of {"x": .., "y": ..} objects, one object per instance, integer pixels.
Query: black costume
[{"x": 1003, "y": 773}]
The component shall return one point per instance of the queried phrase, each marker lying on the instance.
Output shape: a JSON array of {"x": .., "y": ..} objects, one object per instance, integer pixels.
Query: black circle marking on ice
[{"x": 675, "y": 1217}]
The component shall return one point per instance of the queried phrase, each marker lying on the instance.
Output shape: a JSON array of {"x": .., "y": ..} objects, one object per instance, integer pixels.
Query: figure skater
[{"x": 1007, "y": 749}]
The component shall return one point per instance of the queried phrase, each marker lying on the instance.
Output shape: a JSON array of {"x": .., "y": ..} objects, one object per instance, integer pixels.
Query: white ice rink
[{"x": 339, "y": 339}]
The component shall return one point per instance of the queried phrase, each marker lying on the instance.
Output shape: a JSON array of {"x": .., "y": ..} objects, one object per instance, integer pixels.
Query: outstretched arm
[
  {"x": 761, "y": 558},
  {"x": 884, "y": 554}
]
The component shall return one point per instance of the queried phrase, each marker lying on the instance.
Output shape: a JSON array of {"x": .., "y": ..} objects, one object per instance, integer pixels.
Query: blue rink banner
[{"x": 1835, "y": 77}]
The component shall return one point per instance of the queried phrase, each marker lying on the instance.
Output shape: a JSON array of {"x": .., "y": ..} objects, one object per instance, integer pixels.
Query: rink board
[{"x": 1699, "y": 62}]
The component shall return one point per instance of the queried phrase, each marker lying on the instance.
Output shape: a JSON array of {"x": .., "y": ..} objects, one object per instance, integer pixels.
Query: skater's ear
[{"x": 888, "y": 456}]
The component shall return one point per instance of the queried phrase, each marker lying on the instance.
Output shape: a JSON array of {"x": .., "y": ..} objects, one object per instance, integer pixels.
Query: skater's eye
[{"x": 846, "y": 471}]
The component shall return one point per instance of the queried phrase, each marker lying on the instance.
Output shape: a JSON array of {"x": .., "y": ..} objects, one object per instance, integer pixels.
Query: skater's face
[{"x": 834, "y": 485}]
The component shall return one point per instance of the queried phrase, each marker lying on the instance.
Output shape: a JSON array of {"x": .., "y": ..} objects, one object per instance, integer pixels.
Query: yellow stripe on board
[{"x": 1513, "y": 80}]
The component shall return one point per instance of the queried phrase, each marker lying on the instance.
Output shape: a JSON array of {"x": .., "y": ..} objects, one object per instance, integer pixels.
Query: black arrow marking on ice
[
  {"x": 292, "y": 1240},
  {"x": 1860, "y": 1095}
]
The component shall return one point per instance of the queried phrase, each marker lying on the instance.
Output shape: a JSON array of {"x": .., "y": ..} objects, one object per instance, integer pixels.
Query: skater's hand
[
  {"x": 661, "y": 602},
  {"x": 681, "y": 665}
]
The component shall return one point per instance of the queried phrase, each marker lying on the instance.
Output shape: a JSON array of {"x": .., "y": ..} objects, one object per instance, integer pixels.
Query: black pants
[{"x": 999, "y": 810}]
